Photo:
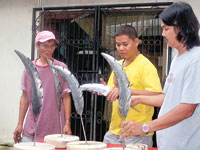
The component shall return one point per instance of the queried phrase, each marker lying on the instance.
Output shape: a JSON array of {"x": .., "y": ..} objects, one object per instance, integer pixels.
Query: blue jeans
[
  {"x": 27, "y": 139},
  {"x": 115, "y": 139}
]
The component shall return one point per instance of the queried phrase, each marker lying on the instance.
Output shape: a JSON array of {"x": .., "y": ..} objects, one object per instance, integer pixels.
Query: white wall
[{"x": 15, "y": 30}]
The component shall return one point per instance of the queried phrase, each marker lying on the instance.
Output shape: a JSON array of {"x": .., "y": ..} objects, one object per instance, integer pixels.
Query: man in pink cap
[{"x": 48, "y": 120}]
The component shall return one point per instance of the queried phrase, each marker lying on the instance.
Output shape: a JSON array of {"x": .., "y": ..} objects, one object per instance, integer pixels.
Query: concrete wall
[{"x": 15, "y": 30}]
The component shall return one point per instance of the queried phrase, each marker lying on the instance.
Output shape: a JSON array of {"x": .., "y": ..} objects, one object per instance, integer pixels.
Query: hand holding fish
[
  {"x": 135, "y": 100},
  {"x": 130, "y": 128},
  {"x": 113, "y": 95}
]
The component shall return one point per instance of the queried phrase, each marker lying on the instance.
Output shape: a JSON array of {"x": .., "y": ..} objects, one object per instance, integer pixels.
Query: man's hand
[
  {"x": 134, "y": 100},
  {"x": 130, "y": 128},
  {"x": 67, "y": 129},
  {"x": 102, "y": 81},
  {"x": 113, "y": 95},
  {"x": 17, "y": 134}
]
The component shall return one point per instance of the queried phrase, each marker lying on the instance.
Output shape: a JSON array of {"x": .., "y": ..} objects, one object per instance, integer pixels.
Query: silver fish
[
  {"x": 123, "y": 84},
  {"x": 123, "y": 87},
  {"x": 77, "y": 93},
  {"x": 37, "y": 90},
  {"x": 95, "y": 87},
  {"x": 58, "y": 93},
  {"x": 74, "y": 86}
]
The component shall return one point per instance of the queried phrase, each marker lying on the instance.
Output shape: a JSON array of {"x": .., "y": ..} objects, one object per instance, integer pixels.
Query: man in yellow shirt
[{"x": 143, "y": 80}]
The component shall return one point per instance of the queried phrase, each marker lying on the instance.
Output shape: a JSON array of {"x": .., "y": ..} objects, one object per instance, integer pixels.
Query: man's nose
[
  {"x": 121, "y": 48},
  {"x": 163, "y": 33}
]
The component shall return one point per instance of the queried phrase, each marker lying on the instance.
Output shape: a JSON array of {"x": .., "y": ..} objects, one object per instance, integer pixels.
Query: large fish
[
  {"x": 36, "y": 84},
  {"x": 95, "y": 87},
  {"x": 37, "y": 90},
  {"x": 123, "y": 84},
  {"x": 74, "y": 86},
  {"x": 77, "y": 93}
]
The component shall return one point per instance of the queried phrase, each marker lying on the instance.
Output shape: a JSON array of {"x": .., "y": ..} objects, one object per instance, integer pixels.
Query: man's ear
[
  {"x": 176, "y": 29},
  {"x": 37, "y": 45},
  {"x": 137, "y": 41}
]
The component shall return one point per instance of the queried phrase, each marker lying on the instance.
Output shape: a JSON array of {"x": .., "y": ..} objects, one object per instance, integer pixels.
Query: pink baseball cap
[{"x": 44, "y": 36}]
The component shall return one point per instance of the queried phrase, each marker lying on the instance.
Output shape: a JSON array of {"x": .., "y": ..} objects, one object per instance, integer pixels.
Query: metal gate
[{"x": 85, "y": 32}]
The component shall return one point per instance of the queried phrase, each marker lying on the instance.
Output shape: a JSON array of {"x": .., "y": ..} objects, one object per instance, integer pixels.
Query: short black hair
[
  {"x": 181, "y": 16},
  {"x": 127, "y": 30}
]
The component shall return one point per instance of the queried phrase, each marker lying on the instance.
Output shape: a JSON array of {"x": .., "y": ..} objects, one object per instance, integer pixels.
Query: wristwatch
[{"x": 145, "y": 128}]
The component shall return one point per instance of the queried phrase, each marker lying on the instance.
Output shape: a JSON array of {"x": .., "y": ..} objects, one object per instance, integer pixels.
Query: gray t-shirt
[{"x": 182, "y": 86}]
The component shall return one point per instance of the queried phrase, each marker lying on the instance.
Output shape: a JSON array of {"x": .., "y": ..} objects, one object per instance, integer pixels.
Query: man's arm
[
  {"x": 144, "y": 92},
  {"x": 176, "y": 115},
  {"x": 113, "y": 94},
  {"x": 22, "y": 112},
  {"x": 153, "y": 100},
  {"x": 179, "y": 113},
  {"x": 67, "y": 111}
]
